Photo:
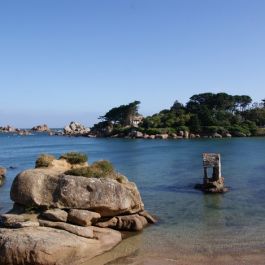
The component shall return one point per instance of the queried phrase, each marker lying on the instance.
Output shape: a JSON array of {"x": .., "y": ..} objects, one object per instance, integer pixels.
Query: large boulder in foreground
[
  {"x": 49, "y": 246},
  {"x": 49, "y": 189},
  {"x": 62, "y": 218}
]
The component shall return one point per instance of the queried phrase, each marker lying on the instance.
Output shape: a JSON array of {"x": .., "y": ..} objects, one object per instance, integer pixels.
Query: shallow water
[{"x": 165, "y": 172}]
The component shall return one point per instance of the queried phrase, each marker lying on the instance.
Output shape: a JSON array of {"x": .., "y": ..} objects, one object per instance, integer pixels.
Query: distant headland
[{"x": 206, "y": 115}]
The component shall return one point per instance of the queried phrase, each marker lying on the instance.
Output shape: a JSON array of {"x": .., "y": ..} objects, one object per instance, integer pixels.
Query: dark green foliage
[
  {"x": 209, "y": 113},
  {"x": 118, "y": 129},
  {"x": 177, "y": 107},
  {"x": 123, "y": 114},
  {"x": 166, "y": 119},
  {"x": 74, "y": 157},
  {"x": 183, "y": 129},
  {"x": 214, "y": 129},
  {"x": 154, "y": 131},
  {"x": 204, "y": 113},
  {"x": 195, "y": 124},
  {"x": 237, "y": 130},
  {"x": 256, "y": 115},
  {"x": 44, "y": 160}
]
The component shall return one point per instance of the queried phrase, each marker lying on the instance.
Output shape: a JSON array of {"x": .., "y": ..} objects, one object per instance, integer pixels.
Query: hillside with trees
[{"x": 205, "y": 114}]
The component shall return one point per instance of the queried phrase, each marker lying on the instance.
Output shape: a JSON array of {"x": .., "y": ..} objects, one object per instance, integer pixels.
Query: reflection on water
[
  {"x": 165, "y": 172},
  {"x": 124, "y": 253}
]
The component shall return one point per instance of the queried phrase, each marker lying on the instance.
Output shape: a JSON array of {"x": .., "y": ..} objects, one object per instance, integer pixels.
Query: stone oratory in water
[{"x": 215, "y": 183}]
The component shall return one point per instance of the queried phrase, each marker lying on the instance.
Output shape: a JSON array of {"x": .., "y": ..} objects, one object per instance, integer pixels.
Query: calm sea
[{"x": 165, "y": 172}]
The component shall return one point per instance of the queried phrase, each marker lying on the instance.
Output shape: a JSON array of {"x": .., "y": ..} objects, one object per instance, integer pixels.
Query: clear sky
[{"x": 66, "y": 60}]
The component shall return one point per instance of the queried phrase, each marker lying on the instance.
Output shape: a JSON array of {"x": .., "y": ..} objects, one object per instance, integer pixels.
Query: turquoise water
[{"x": 165, "y": 172}]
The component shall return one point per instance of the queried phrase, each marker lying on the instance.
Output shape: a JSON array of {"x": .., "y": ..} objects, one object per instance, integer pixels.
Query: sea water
[{"x": 165, "y": 172}]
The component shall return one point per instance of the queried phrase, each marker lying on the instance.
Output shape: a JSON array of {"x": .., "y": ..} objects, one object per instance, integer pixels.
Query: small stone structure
[{"x": 215, "y": 183}]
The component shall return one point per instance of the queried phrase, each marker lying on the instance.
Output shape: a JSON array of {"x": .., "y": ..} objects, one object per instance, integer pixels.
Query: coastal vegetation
[
  {"x": 99, "y": 169},
  {"x": 204, "y": 114},
  {"x": 74, "y": 157},
  {"x": 122, "y": 115},
  {"x": 44, "y": 160}
]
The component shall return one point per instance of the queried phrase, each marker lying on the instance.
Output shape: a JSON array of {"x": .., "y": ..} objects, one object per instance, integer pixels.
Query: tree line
[{"x": 204, "y": 113}]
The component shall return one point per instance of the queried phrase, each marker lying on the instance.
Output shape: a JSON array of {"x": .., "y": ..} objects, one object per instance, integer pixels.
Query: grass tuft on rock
[
  {"x": 99, "y": 169},
  {"x": 81, "y": 171},
  {"x": 74, "y": 158},
  {"x": 44, "y": 160},
  {"x": 103, "y": 166}
]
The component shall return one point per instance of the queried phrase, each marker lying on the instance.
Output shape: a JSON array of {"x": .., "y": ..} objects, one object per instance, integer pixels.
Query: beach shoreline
[{"x": 155, "y": 258}]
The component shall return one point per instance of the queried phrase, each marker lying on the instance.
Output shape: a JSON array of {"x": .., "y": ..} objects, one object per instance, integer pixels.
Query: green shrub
[
  {"x": 251, "y": 126},
  {"x": 99, "y": 169},
  {"x": 238, "y": 130},
  {"x": 74, "y": 157},
  {"x": 215, "y": 129},
  {"x": 169, "y": 130},
  {"x": 118, "y": 129},
  {"x": 44, "y": 160},
  {"x": 154, "y": 131},
  {"x": 104, "y": 166},
  {"x": 182, "y": 128},
  {"x": 81, "y": 171}
]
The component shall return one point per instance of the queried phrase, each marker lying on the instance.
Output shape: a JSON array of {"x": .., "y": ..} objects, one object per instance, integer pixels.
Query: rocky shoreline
[
  {"x": 62, "y": 215},
  {"x": 77, "y": 129}
]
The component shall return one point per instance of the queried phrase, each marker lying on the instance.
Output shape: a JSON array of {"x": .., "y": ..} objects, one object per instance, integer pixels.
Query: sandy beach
[
  {"x": 155, "y": 259},
  {"x": 127, "y": 253}
]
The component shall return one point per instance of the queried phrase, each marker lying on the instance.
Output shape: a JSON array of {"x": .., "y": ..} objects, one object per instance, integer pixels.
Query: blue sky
[{"x": 74, "y": 60}]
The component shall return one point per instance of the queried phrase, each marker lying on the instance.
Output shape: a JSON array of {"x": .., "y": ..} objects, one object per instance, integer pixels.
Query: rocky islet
[{"x": 64, "y": 219}]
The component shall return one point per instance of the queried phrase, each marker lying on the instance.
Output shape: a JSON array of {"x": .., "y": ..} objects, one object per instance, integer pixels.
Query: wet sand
[
  {"x": 153, "y": 259},
  {"x": 129, "y": 253},
  {"x": 194, "y": 260}
]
